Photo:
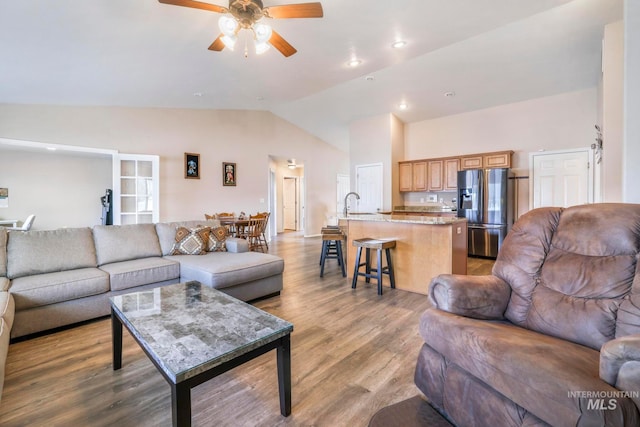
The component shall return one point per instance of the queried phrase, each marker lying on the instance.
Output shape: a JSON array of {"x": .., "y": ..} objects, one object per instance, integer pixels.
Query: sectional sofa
[{"x": 59, "y": 277}]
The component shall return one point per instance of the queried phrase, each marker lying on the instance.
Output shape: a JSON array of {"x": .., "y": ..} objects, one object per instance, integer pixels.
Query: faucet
[{"x": 345, "y": 200}]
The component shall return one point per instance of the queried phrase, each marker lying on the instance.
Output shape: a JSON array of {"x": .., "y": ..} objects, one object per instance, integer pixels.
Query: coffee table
[{"x": 193, "y": 333}]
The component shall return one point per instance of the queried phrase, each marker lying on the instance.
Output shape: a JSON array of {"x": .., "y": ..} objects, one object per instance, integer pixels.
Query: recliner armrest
[
  {"x": 480, "y": 297},
  {"x": 620, "y": 364}
]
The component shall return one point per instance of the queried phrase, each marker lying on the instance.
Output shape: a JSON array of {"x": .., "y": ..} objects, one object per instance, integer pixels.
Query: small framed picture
[
  {"x": 229, "y": 173},
  {"x": 191, "y": 166}
]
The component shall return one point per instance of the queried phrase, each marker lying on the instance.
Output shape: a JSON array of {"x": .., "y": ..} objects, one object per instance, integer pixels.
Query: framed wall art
[
  {"x": 191, "y": 166},
  {"x": 229, "y": 174}
]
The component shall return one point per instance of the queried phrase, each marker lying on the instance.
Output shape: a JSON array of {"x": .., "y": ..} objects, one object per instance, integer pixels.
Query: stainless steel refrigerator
[{"x": 485, "y": 198}]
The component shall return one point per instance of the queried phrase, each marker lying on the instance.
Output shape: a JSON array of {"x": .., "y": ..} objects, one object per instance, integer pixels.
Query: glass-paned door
[{"x": 136, "y": 189}]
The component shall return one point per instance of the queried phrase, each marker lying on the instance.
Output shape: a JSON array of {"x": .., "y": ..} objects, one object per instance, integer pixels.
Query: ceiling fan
[{"x": 248, "y": 14}]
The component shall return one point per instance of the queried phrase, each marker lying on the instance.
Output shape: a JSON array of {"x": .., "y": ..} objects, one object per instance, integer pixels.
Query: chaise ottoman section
[
  {"x": 140, "y": 272},
  {"x": 245, "y": 275}
]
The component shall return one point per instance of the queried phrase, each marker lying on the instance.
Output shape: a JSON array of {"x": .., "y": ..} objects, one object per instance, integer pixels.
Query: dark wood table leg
[
  {"x": 284, "y": 375},
  {"x": 181, "y": 405},
  {"x": 116, "y": 340}
]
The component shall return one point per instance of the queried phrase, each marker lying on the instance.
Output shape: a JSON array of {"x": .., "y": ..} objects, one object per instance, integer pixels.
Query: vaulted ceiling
[{"x": 146, "y": 54}]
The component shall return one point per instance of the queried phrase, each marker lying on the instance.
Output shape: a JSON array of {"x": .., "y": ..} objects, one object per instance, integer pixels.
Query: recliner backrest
[{"x": 572, "y": 269}]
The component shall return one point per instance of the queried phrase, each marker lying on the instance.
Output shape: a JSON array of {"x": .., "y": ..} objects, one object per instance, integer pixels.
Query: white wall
[
  {"x": 612, "y": 111},
  {"x": 247, "y": 138},
  {"x": 631, "y": 154},
  {"x": 371, "y": 140},
  {"x": 62, "y": 190},
  {"x": 551, "y": 123}
]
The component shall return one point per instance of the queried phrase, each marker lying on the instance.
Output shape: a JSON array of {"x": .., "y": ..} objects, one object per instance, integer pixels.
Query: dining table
[{"x": 235, "y": 225}]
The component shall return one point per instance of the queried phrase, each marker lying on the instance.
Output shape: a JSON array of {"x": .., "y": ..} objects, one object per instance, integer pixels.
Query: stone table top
[{"x": 189, "y": 328}]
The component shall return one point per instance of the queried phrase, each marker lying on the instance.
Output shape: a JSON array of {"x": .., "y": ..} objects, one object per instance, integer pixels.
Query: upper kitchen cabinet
[
  {"x": 436, "y": 181},
  {"x": 451, "y": 168},
  {"x": 413, "y": 176},
  {"x": 499, "y": 159}
]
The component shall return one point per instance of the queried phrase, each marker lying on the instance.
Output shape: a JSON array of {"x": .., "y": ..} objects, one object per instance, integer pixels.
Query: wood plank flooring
[{"x": 353, "y": 352}]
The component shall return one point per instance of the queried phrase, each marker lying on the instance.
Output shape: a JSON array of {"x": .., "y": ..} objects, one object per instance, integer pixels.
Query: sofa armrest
[
  {"x": 480, "y": 297},
  {"x": 620, "y": 364},
  {"x": 4, "y": 284},
  {"x": 237, "y": 245}
]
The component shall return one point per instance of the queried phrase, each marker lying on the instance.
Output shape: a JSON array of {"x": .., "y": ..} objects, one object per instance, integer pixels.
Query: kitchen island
[{"x": 425, "y": 246}]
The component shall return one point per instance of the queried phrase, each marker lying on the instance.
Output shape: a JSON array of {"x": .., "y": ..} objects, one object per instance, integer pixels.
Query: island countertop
[
  {"x": 425, "y": 246},
  {"x": 409, "y": 219}
]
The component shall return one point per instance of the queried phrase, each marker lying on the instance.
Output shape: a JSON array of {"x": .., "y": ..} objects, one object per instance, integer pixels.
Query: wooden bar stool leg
[
  {"x": 379, "y": 270},
  {"x": 340, "y": 257},
  {"x": 323, "y": 256},
  {"x": 392, "y": 277},
  {"x": 357, "y": 267},
  {"x": 368, "y": 266}
]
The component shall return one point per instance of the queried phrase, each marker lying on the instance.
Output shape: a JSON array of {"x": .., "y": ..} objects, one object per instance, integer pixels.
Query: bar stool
[
  {"x": 378, "y": 245},
  {"x": 332, "y": 248}
]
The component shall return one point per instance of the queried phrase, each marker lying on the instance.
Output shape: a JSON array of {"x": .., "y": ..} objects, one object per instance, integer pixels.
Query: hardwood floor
[{"x": 353, "y": 352}]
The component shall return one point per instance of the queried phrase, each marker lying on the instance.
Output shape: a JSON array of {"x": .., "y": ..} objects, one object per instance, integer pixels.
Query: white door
[
  {"x": 289, "y": 203},
  {"x": 343, "y": 188},
  {"x": 369, "y": 187},
  {"x": 561, "y": 178},
  {"x": 136, "y": 192}
]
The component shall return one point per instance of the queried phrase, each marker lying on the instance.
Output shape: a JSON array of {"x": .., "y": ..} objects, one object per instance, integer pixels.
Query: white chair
[{"x": 26, "y": 225}]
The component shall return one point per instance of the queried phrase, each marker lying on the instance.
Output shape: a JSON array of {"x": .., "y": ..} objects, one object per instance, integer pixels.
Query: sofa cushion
[
  {"x": 537, "y": 372},
  {"x": 191, "y": 241},
  {"x": 570, "y": 269},
  {"x": 138, "y": 272},
  {"x": 51, "y": 288},
  {"x": 4, "y": 284},
  {"x": 7, "y": 308},
  {"x": 3, "y": 251},
  {"x": 167, "y": 231},
  {"x": 224, "y": 269},
  {"x": 115, "y": 243},
  {"x": 39, "y": 252}
]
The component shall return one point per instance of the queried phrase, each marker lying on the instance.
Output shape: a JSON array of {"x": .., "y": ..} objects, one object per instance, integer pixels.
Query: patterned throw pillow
[
  {"x": 191, "y": 241},
  {"x": 217, "y": 240}
]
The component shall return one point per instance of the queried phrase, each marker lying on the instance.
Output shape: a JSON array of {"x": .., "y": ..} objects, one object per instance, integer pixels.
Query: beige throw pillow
[
  {"x": 217, "y": 240},
  {"x": 191, "y": 241}
]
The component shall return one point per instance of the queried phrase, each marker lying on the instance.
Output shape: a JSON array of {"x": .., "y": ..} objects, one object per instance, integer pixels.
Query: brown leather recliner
[{"x": 552, "y": 336}]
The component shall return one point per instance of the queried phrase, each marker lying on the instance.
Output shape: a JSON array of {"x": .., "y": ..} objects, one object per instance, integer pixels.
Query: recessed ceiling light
[
  {"x": 51, "y": 148},
  {"x": 450, "y": 94},
  {"x": 403, "y": 106},
  {"x": 398, "y": 44},
  {"x": 354, "y": 63},
  {"x": 198, "y": 94},
  {"x": 370, "y": 78}
]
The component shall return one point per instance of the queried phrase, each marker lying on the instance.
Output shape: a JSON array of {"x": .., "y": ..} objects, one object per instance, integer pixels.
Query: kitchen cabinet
[
  {"x": 451, "y": 168},
  {"x": 420, "y": 176},
  {"x": 406, "y": 176},
  {"x": 436, "y": 182},
  {"x": 499, "y": 159},
  {"x": 413, "y": 176}
]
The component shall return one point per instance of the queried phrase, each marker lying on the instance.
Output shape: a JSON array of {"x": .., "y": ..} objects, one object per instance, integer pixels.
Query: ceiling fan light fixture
[
  {"x": 228, "y": 25},
  {"x": 229, "y": 41},
  {"x": 398, "y": 44},
  {"x": 262, "y": 47}
]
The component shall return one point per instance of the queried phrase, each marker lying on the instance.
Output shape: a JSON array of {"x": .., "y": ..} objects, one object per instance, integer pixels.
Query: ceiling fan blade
[
  {"x": 282, "y": 45},
  {"x": 217, "y": 44},
  {"x": 196, "y": 5},
  {"x": 302, "y": 10}
]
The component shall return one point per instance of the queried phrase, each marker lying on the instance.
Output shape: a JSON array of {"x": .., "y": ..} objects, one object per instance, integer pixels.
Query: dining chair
[
  {"x": 252, "y": 232},
  {"x": 26, "y": 225},
  {"x": 263, "y": 236}
]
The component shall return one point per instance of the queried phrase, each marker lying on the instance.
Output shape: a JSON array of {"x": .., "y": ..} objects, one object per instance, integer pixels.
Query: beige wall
[
  {"x": 612, "y": 111},
  {"x": 62, "y": 190},
  {"x": 247, "y": 138},
  {"x": 557, "y": 122},
  {"x": 377, "y": 139}
]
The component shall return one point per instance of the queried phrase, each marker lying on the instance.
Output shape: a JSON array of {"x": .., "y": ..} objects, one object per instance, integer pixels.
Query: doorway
[
  {"x": 561, "y": 178},
  {"x": 290, "y": 203},
  {"x": 369, "y": 187}
]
